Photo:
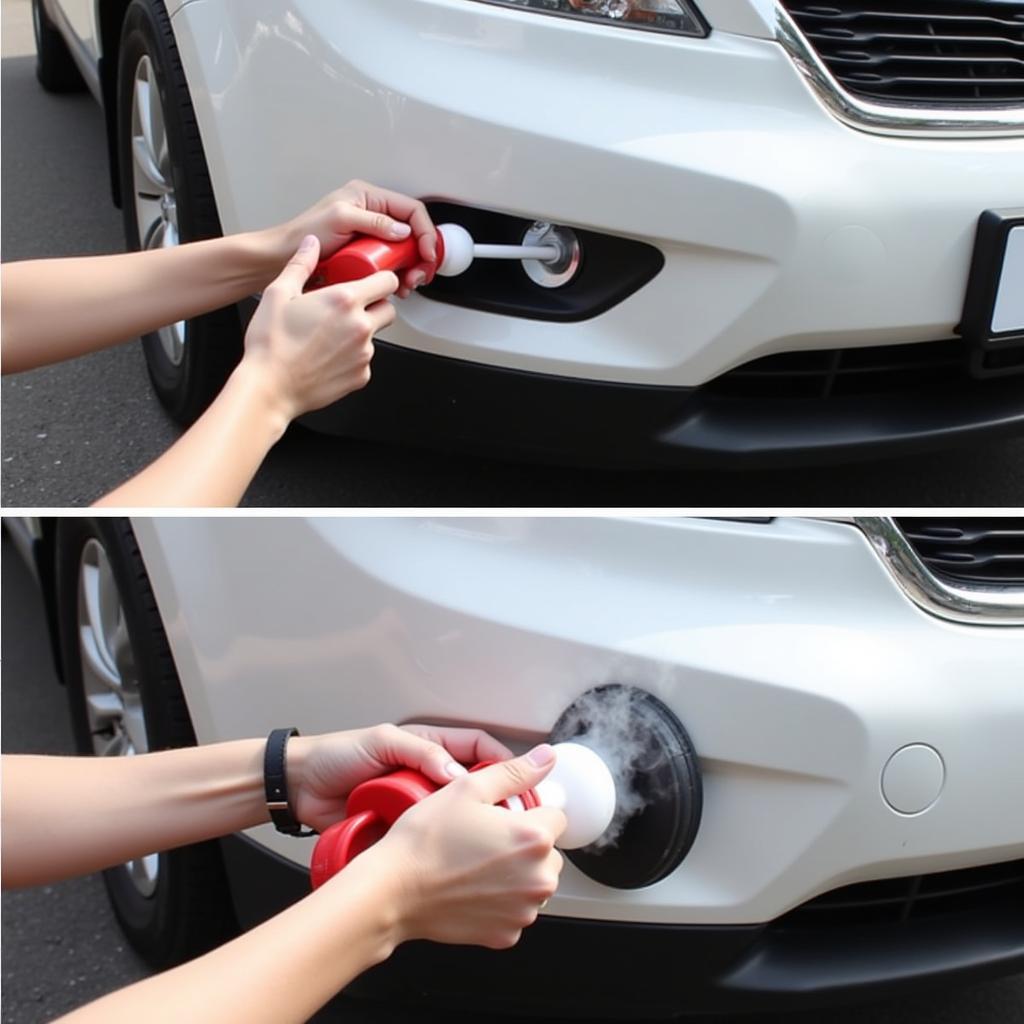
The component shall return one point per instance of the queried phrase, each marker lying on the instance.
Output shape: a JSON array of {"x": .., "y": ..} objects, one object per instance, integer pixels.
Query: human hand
[
  {"x": 312, "y": 349},
  {"x": 466, "y": 871},
  {"x": 361, "y": 208},
  {"x": 323, "y": 770}
]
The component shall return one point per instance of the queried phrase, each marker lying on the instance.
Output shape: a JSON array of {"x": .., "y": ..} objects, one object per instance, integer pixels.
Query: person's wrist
[
  {"x": 256, "y": 381},
  {"x": 296, "y": 760},
  {"x": 381, "y": 875},
  {"x": 277, "y": 245}
]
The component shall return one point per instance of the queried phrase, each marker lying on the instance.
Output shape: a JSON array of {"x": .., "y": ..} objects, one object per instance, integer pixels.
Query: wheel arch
[
  {"x": 109, "y": 19},
  {"x": 44, "y": 555}
]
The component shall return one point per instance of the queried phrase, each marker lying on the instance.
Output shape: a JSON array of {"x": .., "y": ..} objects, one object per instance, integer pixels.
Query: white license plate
[{"x": 1008, "y": 309}]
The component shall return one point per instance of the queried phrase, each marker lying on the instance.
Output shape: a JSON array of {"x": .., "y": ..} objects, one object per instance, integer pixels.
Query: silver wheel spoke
[
  {"x": 150, "y": 144},
  {"x": 94, "y": 663},
  {"x": 121, "y": 649},
  {"x": 109, "y": 608},
  {"x": 113, "y": 746},
  {"x": 103, "y": 708},
  {"x": 153, "y": 182},
  {"x": 100, "y": 599},
  {"x": 135, "y": 727}
]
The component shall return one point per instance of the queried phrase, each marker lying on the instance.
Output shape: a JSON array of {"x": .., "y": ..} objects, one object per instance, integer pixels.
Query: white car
[
  {"x": 830, "y": 713},
  {"x": 790, "y": 230}
]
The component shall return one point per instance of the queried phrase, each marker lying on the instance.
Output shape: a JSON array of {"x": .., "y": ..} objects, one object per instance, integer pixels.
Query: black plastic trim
[
  {"x": 611, "y": 269},
  {"x": 421, "y": 398},
  {"x": 992, "y": 354},
  {"x": 44, "y": 556},
  {"x": 575, "y": 968},
  {"x": 110, "y": 17}
]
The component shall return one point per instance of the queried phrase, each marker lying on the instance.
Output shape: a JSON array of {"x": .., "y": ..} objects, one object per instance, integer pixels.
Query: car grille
[
  {"x": 978, "y": 550},
  {"x": 940, "y": 53},
  {"x": 899, "y": 900},
  {"x": 830, "y": 373}
]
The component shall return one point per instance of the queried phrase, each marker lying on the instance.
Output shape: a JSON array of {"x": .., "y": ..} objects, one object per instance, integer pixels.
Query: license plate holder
[{"x": 993, "y": 319}]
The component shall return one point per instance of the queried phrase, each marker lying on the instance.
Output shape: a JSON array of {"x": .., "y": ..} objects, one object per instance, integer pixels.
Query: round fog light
[{"x": 564, "y": 267}]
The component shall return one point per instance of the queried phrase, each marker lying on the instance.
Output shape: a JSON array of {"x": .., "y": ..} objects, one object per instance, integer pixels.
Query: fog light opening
[{"x": 658, "y": 786}]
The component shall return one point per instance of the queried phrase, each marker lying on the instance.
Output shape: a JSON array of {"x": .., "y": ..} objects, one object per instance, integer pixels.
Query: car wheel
[
  {"x": 125, "y": 699},
  {"x": 167, "y": 200},
  {"x": 55, "y": 67}
]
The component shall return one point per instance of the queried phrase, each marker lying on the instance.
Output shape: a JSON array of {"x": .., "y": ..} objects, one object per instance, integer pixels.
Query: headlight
[{"x": 678, "y": 16}]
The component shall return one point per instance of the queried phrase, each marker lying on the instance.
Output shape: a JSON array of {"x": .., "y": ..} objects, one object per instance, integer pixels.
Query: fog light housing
[
  {"x": 557, "y": 272},
  {"x": 597, "y": 271}
]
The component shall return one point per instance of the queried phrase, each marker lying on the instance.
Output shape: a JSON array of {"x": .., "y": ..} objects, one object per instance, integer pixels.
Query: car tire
[
  {"x": 55, "y": 67},
  {"x": 190, "y": 361},
  {"x": 125, "y": 698}
]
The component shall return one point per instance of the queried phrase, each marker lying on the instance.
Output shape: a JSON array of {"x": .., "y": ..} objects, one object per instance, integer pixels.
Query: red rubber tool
[
  {"x": 366, "y": 256},
  {"x": 373, "y": 807}
]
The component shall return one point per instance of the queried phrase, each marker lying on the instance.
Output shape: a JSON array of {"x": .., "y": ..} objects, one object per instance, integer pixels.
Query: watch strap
[{"x": 275, "y": 783}]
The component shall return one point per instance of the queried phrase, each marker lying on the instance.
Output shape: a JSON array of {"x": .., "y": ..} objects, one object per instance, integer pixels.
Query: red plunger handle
[
  {"x": 341, "y": 842},
  {"x": 365, "y": 256},
  {"x": 375, "y": 805}
]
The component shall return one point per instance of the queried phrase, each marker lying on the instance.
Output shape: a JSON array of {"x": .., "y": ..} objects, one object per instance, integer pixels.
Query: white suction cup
[
  {"x": 458, "y": 250},
  {"x": 581, "y": 785}
]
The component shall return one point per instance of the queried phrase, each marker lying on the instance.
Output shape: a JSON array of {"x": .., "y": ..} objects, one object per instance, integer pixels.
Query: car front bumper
[
  {"x": 791, "y": 655},
  {"x": 782, "y": 228},
  {"x": 788, "y": 650}
]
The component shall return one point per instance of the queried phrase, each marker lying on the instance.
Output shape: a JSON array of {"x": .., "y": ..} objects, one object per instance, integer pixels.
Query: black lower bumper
[
  {"x": 419, "y": 398},
  {"x": 596, "y": 969}
]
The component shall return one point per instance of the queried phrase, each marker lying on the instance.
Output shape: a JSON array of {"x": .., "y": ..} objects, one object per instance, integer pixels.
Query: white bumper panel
[
  {"x": 781, "y": 228},
  {"x": 792, "y": 658}
]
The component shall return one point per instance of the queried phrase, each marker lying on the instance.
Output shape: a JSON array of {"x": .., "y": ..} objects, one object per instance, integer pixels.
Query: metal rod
[{"x": 544, "y": 253}]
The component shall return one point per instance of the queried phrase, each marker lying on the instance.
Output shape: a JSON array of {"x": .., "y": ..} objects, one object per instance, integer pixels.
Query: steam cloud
[{"x": 608, "y": 723}]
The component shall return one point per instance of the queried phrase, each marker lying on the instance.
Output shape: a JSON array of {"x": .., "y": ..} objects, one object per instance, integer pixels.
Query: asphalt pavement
[
  {"x": 61, "y": 947},
  {"x": 74, "y": 431}
]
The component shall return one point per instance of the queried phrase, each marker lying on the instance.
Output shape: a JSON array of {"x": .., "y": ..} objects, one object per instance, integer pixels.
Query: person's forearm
[
  {"x": 65, "y": 816},
  {"x": 280, "y": 972},
  {"x": 57, "y": 309},
  {"x": 214, "y": 461}
]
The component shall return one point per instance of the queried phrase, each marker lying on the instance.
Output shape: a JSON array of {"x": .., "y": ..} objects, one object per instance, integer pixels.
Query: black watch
[{"x": 275, "y": 784}]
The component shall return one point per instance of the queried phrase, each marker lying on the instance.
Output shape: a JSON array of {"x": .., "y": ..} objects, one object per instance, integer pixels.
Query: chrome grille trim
[
  {"x": 885, "y": 118},
  {"x": 958, "y": 602}
]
